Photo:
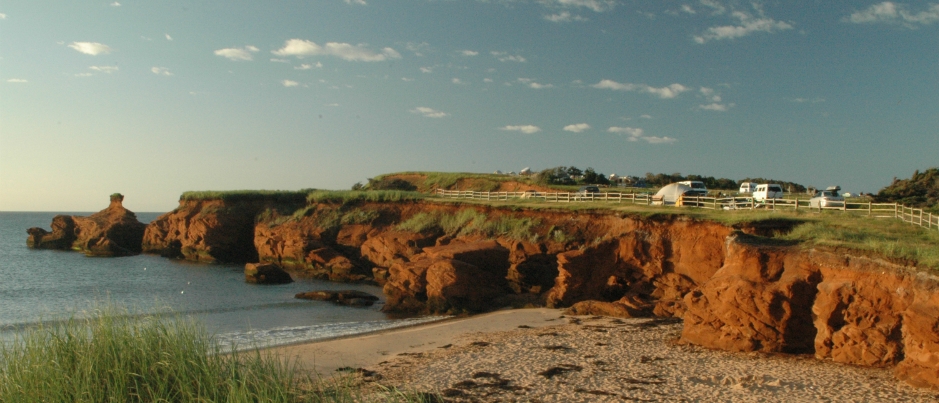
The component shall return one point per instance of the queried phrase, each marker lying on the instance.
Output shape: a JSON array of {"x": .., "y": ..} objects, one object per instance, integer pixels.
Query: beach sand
[{"x": 539, "y": 355}]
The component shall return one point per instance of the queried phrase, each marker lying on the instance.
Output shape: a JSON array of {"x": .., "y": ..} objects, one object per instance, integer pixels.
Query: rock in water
[
  {"x": 344, "y": 297},
  {"x": 113, "y": 231},
  {"x": 258, "y": 273}
]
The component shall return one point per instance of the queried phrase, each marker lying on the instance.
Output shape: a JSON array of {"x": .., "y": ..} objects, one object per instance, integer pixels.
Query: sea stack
[{"x": 114, "y": 231}]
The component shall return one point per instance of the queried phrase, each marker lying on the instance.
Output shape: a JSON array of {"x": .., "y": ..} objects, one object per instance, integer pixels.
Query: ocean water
[{"x": 46, "y": 285}]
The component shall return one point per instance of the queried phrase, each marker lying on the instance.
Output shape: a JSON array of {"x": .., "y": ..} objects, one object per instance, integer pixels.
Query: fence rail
[{"x": 909, "y": 215}]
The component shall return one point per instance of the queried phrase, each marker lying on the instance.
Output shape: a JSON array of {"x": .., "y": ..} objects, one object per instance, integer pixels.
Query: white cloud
[
  {"x": 487, "y": 80},
  {"x": 667, "y": 92},
  {"x": 645, "y": 116},
  {"x": 237, "y": 53},
  {"x": 91, "y": 48},
  {"x": 359, "y": 2},
  {"x": 747, "y": 24},
  {"x": 429, "y": 112},
  {"x": 637, "y": 134},
  {"x": 427, "y": 70},
  {"x": 527, "y": 129},
  {"x": 659, "y": 140},
  {"x": 687, "y": 9},
  {"x": 809, "y": 100},
  {"x": 469, "y": 53},
  {"x": 407, "y": 79},
  {"x": 356, "y": 53},
  {"x": 84, "y": 75},
  {"x": 161, "y": 71},
  {"x": 115, "y": 4},
  {"x": 539, "y": 86},
  {"x": 289, "y": 83},
  {"x": 505, "y": 57},
  {"x": 280, "y": 60},
  {"x": 456, "y": 81},
  {"x": 17, "y": 80},
  {"x": 893, "y": 13},
  {"x": 632, "y": 132},
  {"x": 595, "y": 5},
  {"x": 104, "y": 69},
  {"x": 577, "y": 128},
  {"x": 3, "y": 16},
  {"x": 168, "y": 37},
  {"x": 563, "y": 16},
  {"x": 717, "y": 107},
  {"x": 307, "y": 66},
  {"x": 417, "y": 48}
]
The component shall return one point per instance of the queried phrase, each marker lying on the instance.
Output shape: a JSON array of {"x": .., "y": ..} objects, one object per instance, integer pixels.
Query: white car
[
  {"x": 697, "y": 188},
  {"x": 827, "y": 198},
  {"x": 767, "y": 191}
]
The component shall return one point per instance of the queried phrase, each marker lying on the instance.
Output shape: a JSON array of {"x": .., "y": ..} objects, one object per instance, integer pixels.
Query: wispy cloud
[
  {"x": 168, "y": 37},
  {"x": 289, "y": 83},
  {"x": 161, "y": 71},
  {"x": 715, "y": 100},
  {"x": 747, "y": 24},
  {"x": 527, "y": 129},
  {"x": 667, "y": 92},
  {"x": 307, "y": 66},
  {"x": 595, "y": 5},
  {"x": 564, "y": 16},
  {"x": 637, "y": 134},
  {"x": 469, "y": 53},
  {"x": 577, "y": 128},
  {"x": 17, "y": 80},
  {"x": 236, "y": 54},
  {"x": 3, "y": 16},
  {"x": 427, "y": 70},
  {"x": 91, "y": 48},
  {"x": 429, "y": 112},
  {"x": 456, "y": 81},
  {"x": 808, "y": 100},
  {"x": 104, "y": 69},
  {"x": 893, "y": 13},
  {"x": 344, "y": 51},
  {"x": 358, "y": 2},
  {"x": 417, "y": 48},
  {"x": 115, "y": 4},
  {"x": 505, "y": 57}
]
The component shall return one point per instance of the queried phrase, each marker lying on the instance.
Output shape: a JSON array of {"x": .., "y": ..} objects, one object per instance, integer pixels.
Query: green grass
[
  {"x": 117, "y": 357},
  {"x": 352, "y": 196},
  {"x": 471, "y": 222},
  {"x": 276, "y": 196}
]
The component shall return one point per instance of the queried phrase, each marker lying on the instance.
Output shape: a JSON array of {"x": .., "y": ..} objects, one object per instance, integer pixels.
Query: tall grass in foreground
[{"x": 115, "y": 357}]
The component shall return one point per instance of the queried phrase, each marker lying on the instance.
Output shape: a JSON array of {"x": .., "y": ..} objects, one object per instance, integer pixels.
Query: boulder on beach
[
  {"x": 265, "y": 273},
  {"x": 343, "y": 297}
]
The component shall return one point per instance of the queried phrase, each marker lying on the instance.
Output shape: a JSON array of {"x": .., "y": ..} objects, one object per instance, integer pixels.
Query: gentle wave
[{"x": 262, "y": 338}]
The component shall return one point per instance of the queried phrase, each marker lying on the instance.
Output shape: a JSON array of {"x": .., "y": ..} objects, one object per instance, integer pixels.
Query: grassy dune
[{"x": 116, "y": 357}]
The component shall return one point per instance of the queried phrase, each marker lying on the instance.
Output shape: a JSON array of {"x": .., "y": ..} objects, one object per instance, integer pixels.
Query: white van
[
  {"x": 697, "y": 188},
  {"x": 765, "y": 191},
  {"x": 747, "y": 187}
]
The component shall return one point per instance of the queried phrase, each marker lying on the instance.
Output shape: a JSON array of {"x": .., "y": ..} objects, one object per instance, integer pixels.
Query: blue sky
[{"x": 152, "y": 99}]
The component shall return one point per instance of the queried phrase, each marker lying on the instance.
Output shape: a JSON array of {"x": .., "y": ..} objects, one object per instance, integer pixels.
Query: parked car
[
  {"x": 747, "y": 187},
  {"x": 697, "y": 188},
  {"x": 767, "y": 191},
  {"x": 827, "y": 198},
  {"x": 587, "y": 192}
]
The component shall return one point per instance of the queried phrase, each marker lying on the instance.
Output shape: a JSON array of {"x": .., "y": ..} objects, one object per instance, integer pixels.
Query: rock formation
[
  {"x": 257, "y": 273},
  {"x": 344, "y": 297},
  {"x": 735, "y": 287},
  {"x": 113, "y": 231}
]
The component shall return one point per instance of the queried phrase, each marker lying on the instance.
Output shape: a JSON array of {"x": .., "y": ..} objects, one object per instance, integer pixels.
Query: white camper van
[
  {"x": 697, "y": 188},
  {"x": 767, "y": 191},
  {"x": 747, "y": 187}
]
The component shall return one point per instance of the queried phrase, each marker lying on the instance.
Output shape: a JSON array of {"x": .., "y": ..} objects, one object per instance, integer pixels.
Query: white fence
[{"x": 882, "y": 210}]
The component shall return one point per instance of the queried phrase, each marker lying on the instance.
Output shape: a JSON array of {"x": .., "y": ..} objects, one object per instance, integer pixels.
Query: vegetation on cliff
[{"x": 921, "y": 190}]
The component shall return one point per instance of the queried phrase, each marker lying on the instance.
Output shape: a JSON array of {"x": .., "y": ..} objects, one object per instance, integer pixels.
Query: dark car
[{"x": 587, "y": 192}]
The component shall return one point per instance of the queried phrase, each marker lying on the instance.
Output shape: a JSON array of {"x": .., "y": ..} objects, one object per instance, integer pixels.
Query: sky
[{"x": 155, "y": 98}]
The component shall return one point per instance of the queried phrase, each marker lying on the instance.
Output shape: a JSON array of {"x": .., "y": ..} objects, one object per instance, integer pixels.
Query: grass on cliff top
[
  {"x": 351, "y": 196},
  {"x": 885, "y": 237},
  {"x": 446, "y": 180},
  {"x": 276, "y": 196},
  {"x": 116, "y": 357},
  {"x": 471, "y": 222}
]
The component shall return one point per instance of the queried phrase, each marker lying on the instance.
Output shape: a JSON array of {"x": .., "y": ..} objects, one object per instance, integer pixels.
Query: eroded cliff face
[
  {"x": 735, "y": 288},
  {"x": 113, "y": 231}
]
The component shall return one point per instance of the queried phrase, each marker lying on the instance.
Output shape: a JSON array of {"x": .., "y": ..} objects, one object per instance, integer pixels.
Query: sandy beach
[{"x": 541, "y": 355}]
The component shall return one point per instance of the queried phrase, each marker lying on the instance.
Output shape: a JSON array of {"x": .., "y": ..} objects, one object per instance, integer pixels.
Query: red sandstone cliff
[
  {"x": 735, "y": 291},
  {"x": 113, "y": 231}
]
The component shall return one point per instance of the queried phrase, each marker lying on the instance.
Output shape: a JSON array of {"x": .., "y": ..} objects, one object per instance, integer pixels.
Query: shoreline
[{"x": 542, "y": 355}]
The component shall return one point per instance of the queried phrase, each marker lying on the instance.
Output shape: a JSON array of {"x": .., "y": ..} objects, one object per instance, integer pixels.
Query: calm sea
[{"x": 46, "y": 285}]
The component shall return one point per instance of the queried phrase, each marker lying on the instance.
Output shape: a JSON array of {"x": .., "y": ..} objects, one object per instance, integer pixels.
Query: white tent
[{"x": 668, "y": 195}]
